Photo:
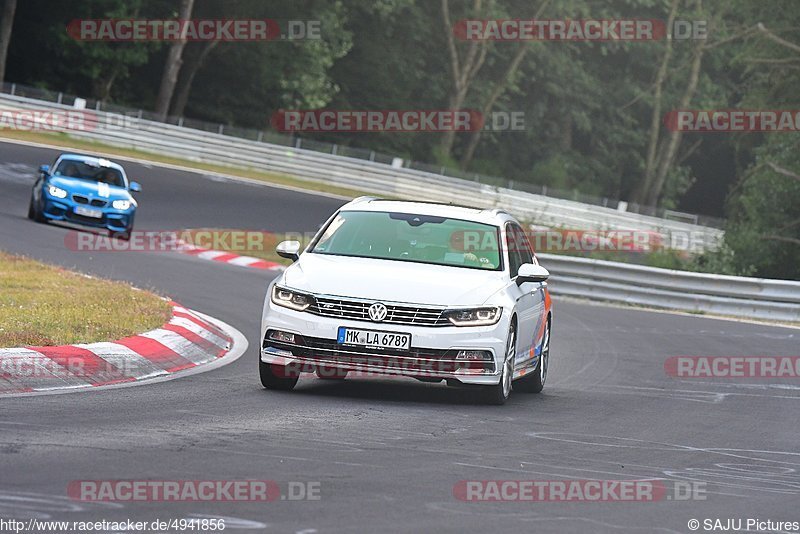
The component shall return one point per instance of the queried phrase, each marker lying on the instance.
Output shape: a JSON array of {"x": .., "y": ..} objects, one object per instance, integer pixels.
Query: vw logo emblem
[{"x": 377, "y": 312}]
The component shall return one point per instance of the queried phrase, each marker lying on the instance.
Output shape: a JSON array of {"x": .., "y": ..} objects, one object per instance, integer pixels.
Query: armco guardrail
[
  {"x": 776, "y": 300},
  {"x": 367, "y": 176},
  {"x": 266, "y": 135}
]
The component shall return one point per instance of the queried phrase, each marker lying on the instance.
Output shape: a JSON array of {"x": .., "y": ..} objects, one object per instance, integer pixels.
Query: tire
[
  {"x": 534, "y": 382},
  {"x": 34, "y": 214},
  {"x": 498, "y": 394},
  {"x": 276, "y": 377}
]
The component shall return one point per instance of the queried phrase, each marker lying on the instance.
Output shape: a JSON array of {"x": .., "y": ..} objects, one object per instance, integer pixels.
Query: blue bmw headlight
[
  {"x": 56, "y": 192},
  {"x": 121, "y": 204}
]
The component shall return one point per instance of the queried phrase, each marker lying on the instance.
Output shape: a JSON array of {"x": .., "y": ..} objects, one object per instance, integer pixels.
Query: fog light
[
  {"x": 474, "y": 355},
  {"x": 283, "y": 337}
]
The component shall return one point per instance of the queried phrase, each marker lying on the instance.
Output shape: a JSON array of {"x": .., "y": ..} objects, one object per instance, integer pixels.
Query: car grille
[
  {"x": 396, "y": 314},
  {"x": 417, "y": 360},
  {"x": 96, "y": 202}
]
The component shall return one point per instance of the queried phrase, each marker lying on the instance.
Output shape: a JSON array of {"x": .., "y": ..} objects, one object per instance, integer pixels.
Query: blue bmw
[{"x": 85, "y": 190}]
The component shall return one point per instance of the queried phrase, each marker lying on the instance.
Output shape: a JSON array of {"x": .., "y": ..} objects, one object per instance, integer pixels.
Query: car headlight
[
  {"x": 56, "y": 192},
  {"x": 291, "y": 299},
  {"x": 121, "y": 204},
  {"x": 474, "y": 316}
]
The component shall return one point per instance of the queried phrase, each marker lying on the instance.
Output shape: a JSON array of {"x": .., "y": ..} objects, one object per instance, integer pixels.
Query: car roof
[
  {"x": 93, "y": 161},
  {"x": 453, "y": 211}
]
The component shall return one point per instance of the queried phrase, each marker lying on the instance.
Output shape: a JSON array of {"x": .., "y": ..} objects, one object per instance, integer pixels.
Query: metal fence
[
  {"x": 737, "y": 296},
  {"x": 136, "y": 131},
  {"x": 295, "y": 141}
]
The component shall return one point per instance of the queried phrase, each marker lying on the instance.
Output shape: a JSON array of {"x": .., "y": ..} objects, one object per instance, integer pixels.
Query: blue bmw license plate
[{"x": 88, "y": 212}]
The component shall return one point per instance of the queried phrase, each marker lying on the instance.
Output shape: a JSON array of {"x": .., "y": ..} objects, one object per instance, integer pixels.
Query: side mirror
[
  {"x": 289, "y": 250},
  {"x": 44, "y": 169},
  {"x": 135, "y": 187},
  {"x": 529, "y": 272}
]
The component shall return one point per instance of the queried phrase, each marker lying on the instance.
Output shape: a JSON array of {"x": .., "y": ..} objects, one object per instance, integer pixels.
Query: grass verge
[
  {"x": 45, "y": 305},
  {"x": 65, "y": 141}
]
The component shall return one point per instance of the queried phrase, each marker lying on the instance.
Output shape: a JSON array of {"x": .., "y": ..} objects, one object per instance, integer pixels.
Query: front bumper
[
  {"x": 63, "y": 209},
  {"x": 433, "y": 352}
]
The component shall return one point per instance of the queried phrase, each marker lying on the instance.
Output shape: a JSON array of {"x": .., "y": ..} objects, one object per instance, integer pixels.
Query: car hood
[
  {"x": 90, "y": 188},
  {"x": 390, "y": 280}
]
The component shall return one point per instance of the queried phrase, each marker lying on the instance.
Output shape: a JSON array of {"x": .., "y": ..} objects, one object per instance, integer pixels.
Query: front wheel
[
  {"x": 498, "y": 394},
  {"x": 33, "y": 213},
  {"x": 277, "y": 376},
  {"x": 534, "y": 382}
]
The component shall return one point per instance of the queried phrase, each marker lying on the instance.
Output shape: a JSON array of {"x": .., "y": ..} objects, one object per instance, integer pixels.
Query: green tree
[
  {"x": 105, "y": 64},
  {"x": 6, "y": 25}
]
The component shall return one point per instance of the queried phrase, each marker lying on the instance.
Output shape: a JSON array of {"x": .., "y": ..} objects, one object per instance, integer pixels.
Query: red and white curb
[
  {"x": 189, "y": 343},
  {"x": 228, "y": 257}
]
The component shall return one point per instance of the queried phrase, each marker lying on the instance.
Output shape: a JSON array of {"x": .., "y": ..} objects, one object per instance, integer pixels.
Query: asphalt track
[{"x": 387, "y": 453}]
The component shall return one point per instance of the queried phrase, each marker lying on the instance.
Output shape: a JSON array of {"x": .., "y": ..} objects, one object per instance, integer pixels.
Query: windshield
[
  {"x": 411, "y": 237},
  {"x": 78, "y": 169}
]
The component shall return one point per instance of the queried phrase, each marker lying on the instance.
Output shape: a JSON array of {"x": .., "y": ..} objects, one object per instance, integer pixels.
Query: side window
[
  {"x": 523, "y": 245},
  {"x": 514, "y": 257}
]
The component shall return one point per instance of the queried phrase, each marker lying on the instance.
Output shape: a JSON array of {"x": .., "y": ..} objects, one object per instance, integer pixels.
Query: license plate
[
  {"x": 87, "y": 212},
  {"x": 373, "y": 338}
]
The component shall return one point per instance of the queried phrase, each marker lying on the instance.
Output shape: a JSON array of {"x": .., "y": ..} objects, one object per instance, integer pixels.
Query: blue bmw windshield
[
  {"x": 73, "y": 168},
  {"x": 413, "y": 238}
]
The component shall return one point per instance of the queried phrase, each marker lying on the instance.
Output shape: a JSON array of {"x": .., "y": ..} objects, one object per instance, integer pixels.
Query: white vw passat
[{"x": 430, "y": 291}]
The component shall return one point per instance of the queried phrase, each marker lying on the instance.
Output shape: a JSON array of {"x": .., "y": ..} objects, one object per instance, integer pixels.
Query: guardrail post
[
  {"x": 297, "y": 143},
  {"x": 97, "y": 106},
  {"x": 60, "y": 97},
  {"x": 372, "y": 155},
  {"x": 13, "y": 89},
  {"x": 333, "y": 149},
  {"x": 260, "y": 136},
  {"x": 219, "y": 130}
]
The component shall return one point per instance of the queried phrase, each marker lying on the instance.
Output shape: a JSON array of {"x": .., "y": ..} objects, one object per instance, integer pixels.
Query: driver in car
[{"x": 468, "y": 252}]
